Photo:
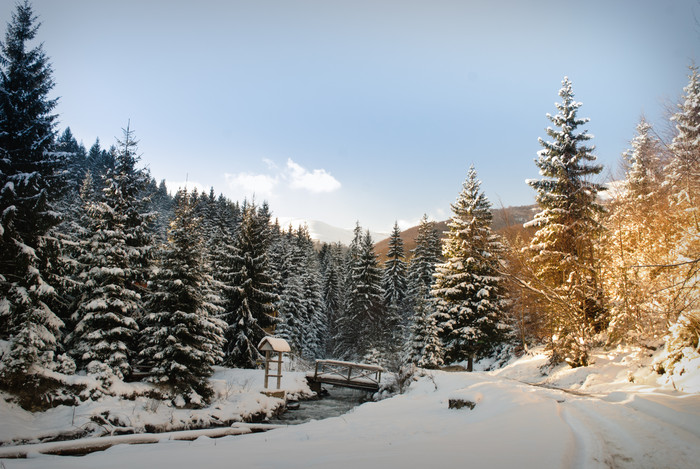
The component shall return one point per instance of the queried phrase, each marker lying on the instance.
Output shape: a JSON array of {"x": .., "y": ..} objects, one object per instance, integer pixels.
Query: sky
[{"x": 369, "y": 111}]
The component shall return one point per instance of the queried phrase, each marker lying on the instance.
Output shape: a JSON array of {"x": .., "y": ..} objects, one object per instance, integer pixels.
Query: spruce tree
[
  {"x": 424, "y": 344},
  {"x": 563, "y": 249},
  {"x": 394, "y": 278},
  {"x": 30, "y": 182},
  {"x": 332, "y": 291},
  {"x": 292, "y": 305},
  {"x": 347, "y": 328},
  {"x": 98, "y": 162},
  {"x": 250, "y": 298},
  {"x": 426, "y": 255},
  {"x": 365, "y": 301},
  {"x": 468, "y": 286},
  {"x": 315, "y": 325},
  {"x": 684, "y": 167},
  {"x": 115, "y": 259},
  {"x": 180, "y": 339}
]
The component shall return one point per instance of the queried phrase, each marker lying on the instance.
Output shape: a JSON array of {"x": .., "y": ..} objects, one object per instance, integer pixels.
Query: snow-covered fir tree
[
  {"x": 250, "y": 297},
  {"x": 426, "y": 255},
  {"x": 162, "y": 206},
  {"x": 395, "y": 299},
  {"x": 684, "y": 167},
  {"x": 644, "y": 176},
  {"x": 30, "y": 180},
  {"x": 563, "y": 250},
  {"x": 468, "y": 285},
  {"x": 348, "y": 330},
  {"x": 424, "y": 347},
  {"x": 394, "y": 279},
  {"x": 332, "y": 291},
  {"x": 302, "y": 320},
  {"x": 98, "y": 162},
  {"x": 315, "y": 327},
  {"x": 292, "y": 305},
  {"x": 364, "y": 317},
  {"x": 180, "y": 340},
  {"x": 115, "y": 259}
]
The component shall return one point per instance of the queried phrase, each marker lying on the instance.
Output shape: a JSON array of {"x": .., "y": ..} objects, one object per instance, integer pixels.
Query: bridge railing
[{"x": 348, "y": 372}]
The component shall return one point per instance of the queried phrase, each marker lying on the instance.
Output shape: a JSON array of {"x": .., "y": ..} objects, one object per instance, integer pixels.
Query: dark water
[{"x": 337, "y": 402}]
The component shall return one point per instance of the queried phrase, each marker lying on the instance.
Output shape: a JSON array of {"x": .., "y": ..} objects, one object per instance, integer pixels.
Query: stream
[{"x": 337, "y": 402}]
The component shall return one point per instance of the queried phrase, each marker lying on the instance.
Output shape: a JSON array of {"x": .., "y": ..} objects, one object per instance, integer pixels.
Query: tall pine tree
[
  {"x": 563, "y": 249},
  {"x": 30, "y": 180}
]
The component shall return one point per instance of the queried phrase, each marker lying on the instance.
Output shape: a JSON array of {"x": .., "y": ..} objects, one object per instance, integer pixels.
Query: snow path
[{"x": 514, "y": 424}]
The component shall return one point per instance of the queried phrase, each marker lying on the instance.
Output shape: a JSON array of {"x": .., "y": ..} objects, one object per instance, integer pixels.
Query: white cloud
[
  {"x": 293, "y": 175},
  {"x": 173, "y": 186},
  {"x": 316, "y": 181},
  {"x": 261, "y": 185}
]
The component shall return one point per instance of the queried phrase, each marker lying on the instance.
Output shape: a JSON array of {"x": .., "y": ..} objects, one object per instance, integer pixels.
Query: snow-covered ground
[{"x": 614, "y": 413}]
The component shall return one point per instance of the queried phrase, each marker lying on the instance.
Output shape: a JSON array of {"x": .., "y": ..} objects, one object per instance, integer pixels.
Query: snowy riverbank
[
  {"x": 237, "y": 399},
  {"x": 614, "y": 413}
]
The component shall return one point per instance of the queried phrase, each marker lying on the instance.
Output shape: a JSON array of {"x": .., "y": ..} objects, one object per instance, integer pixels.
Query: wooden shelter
[{"x": 271, "y": 345}]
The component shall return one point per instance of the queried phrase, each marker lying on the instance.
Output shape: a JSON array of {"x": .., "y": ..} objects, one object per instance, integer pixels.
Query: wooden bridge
[{"x": 346, "y": 374}]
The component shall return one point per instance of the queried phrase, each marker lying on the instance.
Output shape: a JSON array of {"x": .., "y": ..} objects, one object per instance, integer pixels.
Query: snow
[{"x": 614, "y": 413}]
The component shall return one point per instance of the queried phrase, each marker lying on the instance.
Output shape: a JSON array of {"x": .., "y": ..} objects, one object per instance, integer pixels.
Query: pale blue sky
[{"x": 378, "y": 106}]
